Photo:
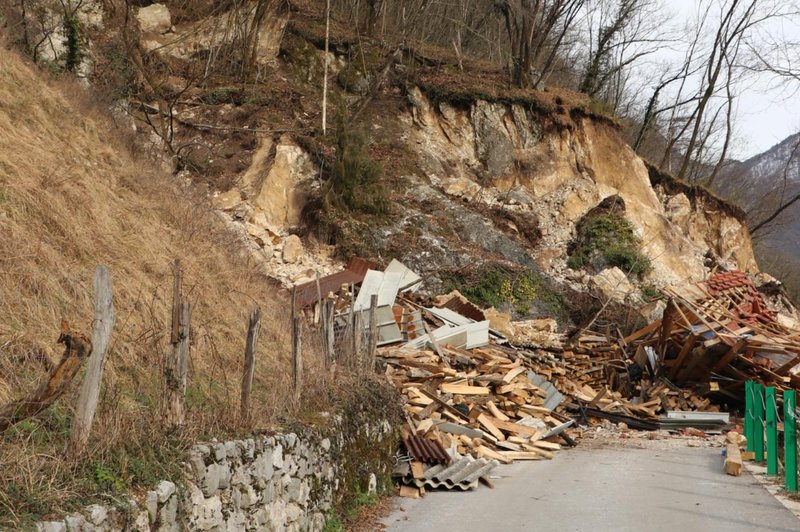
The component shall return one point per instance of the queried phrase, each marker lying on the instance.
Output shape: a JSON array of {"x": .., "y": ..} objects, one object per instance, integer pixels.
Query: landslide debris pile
[{"x": 475, "y": 398}]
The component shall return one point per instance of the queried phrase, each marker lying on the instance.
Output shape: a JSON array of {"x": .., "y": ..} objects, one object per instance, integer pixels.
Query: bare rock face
[
  {"x": 292, "y": 249},
  {"x": 228, "y": 200},
  {"x": 154, "y": 18},
  {"x": 560, "y": 174}
]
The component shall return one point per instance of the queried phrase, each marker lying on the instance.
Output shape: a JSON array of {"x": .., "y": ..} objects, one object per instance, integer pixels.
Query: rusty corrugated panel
[
  {"x": 465, "y": 308},
  {"x": 354, "y": 272},
  {"x": 427, "y": 451}
]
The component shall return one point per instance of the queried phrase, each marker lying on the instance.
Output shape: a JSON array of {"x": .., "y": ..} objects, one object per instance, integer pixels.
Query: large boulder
[
  {"x": 292, "y": 249},
  {"x": 154, "y": 18},
  {"x": 613, "y": 284}
]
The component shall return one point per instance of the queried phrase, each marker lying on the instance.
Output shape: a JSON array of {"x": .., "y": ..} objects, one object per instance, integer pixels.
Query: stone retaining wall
[{"x": 288, "y": 481}]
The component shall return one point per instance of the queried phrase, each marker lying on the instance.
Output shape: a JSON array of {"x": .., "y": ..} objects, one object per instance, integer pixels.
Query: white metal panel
[
  {"x": 450, "y": 316},
  {"x": 410, "y": 281}
]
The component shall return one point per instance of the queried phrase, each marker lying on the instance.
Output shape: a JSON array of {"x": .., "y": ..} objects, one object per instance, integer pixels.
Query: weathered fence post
[
  {"x": 253, "y": 327},
  {"x": 177, "y": 363},
  {"x": 101, "y": 334},
  {"x": 328, "y": 331},
  {"x": 790, "y": 438},
  {"x": 772, "y": 431},
  {"x": 373, "y": 331},
  {"x": 358, "y": 332},
  {"x": 352, "y": 360},
  {"x": 297, "y": 358}
]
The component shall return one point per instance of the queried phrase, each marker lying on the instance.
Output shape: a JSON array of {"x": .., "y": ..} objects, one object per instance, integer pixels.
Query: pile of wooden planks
[{"x": 488, "y": 402}]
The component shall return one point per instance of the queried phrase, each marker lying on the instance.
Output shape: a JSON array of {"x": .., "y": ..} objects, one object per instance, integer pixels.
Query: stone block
[
  {"x": 151, "y": 503},
  {"x": 165, "y": 490},
  {"x": 97, "y": 514},
  {"x": 51, "y": 526},
  {"x": 277, "y": 457}
]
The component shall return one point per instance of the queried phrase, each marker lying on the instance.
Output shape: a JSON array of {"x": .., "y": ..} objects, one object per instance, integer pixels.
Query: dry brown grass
[{"x": 71, "y": 199}]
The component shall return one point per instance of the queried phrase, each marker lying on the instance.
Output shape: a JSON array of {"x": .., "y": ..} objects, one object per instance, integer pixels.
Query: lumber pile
[{"x": 487, "y": 402}]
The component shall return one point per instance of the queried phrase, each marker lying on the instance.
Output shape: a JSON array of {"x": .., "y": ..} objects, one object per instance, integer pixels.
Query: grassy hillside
[{"x": 71, "y": 197}]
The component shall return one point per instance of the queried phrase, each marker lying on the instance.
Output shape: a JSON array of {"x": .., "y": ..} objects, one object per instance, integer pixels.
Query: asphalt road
[{"x": 597, "y": 489}]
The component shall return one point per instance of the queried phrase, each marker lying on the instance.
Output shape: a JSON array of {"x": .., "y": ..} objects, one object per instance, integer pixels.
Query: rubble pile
[{"x": 480, "y": 390}]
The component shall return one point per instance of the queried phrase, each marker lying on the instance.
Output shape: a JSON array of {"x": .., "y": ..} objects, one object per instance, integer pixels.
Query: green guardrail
[{"x": 761, "y": 423}]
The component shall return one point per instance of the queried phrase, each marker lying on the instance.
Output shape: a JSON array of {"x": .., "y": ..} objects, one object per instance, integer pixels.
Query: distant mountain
[{"x": 759, "y": 185}]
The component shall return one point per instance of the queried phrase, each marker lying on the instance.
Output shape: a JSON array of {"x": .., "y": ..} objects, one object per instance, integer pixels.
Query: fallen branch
[{"x": 76, "y": 349}]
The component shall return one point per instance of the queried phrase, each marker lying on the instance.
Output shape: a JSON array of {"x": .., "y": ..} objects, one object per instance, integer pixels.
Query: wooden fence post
[
  {"x": 253, "y": 327},
  {"x": 177, "y": 363},
  {"x": 297, "y": 358},
  {"x": 358, "y": 332},
  {"x": 101, "y": 335},
  {"x": 330, "y": 316},
  {"x": 373, "y": 331}
]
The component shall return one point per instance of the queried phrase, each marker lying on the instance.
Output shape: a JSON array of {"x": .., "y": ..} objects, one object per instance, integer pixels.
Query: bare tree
[
  {"x": 621, "y": 33},
  {"x": 536, "y": 29}
]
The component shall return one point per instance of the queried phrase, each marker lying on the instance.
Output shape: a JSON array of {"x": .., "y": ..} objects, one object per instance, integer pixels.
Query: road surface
[{"x": 595, "y": 488}]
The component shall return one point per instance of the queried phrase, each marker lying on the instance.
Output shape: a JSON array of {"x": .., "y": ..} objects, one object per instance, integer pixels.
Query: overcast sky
[{"x": 767, "y": 112}]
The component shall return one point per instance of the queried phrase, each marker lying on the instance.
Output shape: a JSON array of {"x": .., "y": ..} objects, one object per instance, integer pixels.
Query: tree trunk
[{"x": 76, "y": 348}]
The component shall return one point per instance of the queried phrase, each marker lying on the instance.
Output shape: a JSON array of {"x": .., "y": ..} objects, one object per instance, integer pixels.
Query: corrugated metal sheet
[
  {"x": 465, "y": 308},
  {"x": 426, "y": 451},
  {"x": 353, "y": 273},
  {"x": 554, "y": 397},
  {"x": 462, "y": 474}
]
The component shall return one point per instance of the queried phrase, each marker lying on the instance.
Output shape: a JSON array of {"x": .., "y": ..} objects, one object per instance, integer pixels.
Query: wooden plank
[
  {"x": 522, "y": 455},
  {"x": 410, "y": 492},
  {"x": 549, "y": 446},
  {"x": 417, "y": 470},
  {"x": 688, "y": 345},
  {"x": 513, "y": 373},
  {"x": 515, "y": 428},
  {"x": 489, "y": 425},
  {"x": 496, "y": 411},
  {"x": 464, "y": 389},
  {"x": 733, "y": 460},
  {"x": 642, "y": 332},
  {"x": 447, "y": 407},
  {"x": 729, "y": 355},
  {"x": 484, "y": 452}
]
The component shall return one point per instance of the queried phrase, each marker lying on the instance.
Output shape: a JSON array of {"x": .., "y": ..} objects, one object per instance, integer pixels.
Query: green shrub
[
  {"x": 354, "y": 183},
  {"x": 607, "y": 240},
  {"x": 496, "y": 287},
  {"x": 74, "y": 55}
]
